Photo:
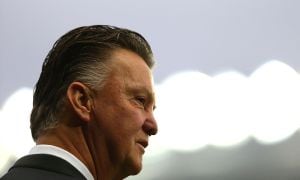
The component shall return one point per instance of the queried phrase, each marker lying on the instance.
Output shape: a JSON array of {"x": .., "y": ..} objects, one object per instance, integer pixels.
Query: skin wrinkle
[{"x": 121, "y": 79}]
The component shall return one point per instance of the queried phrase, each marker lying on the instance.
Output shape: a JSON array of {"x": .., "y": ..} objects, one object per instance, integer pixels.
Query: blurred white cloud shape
[
  {"x": 14, "y": 124},
  {"x": 275, "y": 102},
  {"x": 195, "y": 110}
]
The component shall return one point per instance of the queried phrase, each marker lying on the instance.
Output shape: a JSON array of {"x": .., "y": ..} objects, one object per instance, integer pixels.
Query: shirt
[{"x": 61, "y": 153}]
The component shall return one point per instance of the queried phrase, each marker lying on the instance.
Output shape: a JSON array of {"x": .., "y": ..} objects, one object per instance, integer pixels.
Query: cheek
[
  {"x": 134, "y": 121},
  {"x": 120, "y": 119}
]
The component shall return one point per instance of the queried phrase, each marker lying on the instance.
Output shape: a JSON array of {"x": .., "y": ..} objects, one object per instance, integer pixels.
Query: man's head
[
  {"x": 96, "y": 90},
  {"x": 123, "y": 114},
  {"x": 80, "y": 55}
]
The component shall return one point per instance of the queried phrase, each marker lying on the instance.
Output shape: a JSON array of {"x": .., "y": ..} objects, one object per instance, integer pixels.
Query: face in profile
[{"x": 123, "y": 113}]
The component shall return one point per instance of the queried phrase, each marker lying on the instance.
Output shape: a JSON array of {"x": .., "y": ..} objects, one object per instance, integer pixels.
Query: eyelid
[
  {"x": 141, "y": 99},
  {"x": 146, "y": 102}
]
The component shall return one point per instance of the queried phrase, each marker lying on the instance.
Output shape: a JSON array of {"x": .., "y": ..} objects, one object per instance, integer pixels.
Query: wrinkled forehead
[
  {"x": 131, "y": 75},
  {"x": 128, "y": 64}
]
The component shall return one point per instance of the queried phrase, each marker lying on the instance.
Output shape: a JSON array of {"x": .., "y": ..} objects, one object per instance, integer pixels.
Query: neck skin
[{"x": 72, "y": 138}]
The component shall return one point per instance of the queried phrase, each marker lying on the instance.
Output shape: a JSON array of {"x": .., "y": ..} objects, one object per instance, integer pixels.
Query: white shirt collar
[{"x": 59, "y": 152}]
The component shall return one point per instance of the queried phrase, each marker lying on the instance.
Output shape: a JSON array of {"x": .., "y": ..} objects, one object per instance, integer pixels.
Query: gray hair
[{"x": 80, "y": 55}]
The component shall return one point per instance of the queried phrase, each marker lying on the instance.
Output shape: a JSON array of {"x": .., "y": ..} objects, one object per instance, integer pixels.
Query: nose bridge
[{"x": 150, "y": 125}]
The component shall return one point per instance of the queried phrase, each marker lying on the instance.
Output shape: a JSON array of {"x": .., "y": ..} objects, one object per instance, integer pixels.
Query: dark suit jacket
[{"x": 42, "y": 167}]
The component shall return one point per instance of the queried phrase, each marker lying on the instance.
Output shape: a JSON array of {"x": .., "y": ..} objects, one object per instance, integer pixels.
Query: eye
[{"x": 141, "y": 100}]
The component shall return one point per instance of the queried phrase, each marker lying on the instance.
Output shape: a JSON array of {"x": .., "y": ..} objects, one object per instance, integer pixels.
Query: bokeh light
[{"x": 194, "y": 110}]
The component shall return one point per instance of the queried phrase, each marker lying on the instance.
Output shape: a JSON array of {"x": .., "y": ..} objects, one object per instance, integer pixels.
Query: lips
[{"x": 144, "y": 143}]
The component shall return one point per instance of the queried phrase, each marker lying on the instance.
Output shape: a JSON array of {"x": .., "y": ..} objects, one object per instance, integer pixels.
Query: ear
[{"x": 79, "y": 96}]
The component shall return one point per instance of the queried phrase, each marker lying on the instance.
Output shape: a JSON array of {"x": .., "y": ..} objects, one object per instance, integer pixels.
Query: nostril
[{"x": 150, "y": 128}]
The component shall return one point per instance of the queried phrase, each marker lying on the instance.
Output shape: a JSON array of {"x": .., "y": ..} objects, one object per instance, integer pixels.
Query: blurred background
[{"x": 227, "y": 81}]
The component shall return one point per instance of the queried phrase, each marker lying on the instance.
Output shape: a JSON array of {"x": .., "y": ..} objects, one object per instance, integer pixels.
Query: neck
[
  {"x": 71, "y": 140},
  {"x": 104, "y": 163},
  {"x": 74, "y": 139}
]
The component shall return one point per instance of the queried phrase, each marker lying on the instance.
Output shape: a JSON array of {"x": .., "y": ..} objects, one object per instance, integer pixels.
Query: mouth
[{"x": 142, "y": 144}]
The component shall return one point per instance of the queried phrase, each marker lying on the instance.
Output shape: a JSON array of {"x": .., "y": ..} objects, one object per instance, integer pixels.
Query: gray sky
[{"x": 205, "y": 35}]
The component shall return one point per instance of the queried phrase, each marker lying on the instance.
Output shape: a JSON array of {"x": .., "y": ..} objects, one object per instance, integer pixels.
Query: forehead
[
  {"x": 129, "y": 76},
  {"x": 131, "y": 67}
]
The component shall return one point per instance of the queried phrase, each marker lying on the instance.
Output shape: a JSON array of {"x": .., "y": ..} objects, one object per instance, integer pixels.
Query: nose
[{"x": 150, "y": 124}]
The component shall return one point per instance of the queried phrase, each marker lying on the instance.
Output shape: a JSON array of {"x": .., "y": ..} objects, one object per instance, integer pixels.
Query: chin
[
  {"x": 135, "y": 167},
  {"x": 133, "y": 163},
  {"x": 133, "y": 170}
]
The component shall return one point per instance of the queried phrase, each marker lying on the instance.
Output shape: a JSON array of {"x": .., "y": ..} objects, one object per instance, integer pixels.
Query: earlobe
[{"x": 80, "y": 100}]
